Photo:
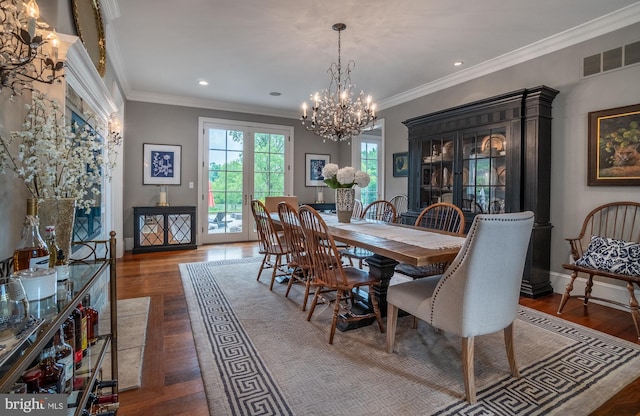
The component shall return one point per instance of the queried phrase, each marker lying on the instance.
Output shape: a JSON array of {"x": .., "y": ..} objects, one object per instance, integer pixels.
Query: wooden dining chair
[
  {"x": 271, "y": 247},
  {"x": 441, "y": 216},
  {"x": 380, "y": 210},
  {"x": 357, "y": 209},
  {"x": 400, "y": 202},
  {"x": 330, "y": 274},
  {"x": 479, "y": 292},
  {"x": 299, "y": 261}
]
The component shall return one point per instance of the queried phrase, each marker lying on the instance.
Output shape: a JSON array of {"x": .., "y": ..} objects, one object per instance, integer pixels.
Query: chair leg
[
  {"x": 314, "y": 302},
  {"x": 307, "y": 288},
  {"x": 567, "y": 292},
  {"x": 633, "y": 304},
  {"x": 291, "y": 279},
  {"x": 467, "y": 369},
  {"x": 334, "y": 319},
  {"x": 588, "y": 289},
  {"x": 276, "y": 266},
  {"x": 511, "y": 355},
  {"x": 264, "y": 260},
  {"x": 392, "y": 321}
]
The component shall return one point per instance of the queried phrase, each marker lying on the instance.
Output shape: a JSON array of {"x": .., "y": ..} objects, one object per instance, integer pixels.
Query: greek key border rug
[{"x": 259, "y": 356}]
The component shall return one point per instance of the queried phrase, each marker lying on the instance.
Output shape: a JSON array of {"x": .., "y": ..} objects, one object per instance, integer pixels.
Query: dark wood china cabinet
[{"x": 489, "y": 156}]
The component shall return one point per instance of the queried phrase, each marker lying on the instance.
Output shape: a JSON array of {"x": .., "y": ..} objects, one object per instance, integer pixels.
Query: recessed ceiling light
[
  {"x": 275, "y": 93},
  {"x": 203, "y": 83},
  {"x": 458, "y": 63}
]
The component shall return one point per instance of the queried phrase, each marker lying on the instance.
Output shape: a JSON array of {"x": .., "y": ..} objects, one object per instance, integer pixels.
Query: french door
[
  {"x": 240, "y": 161},
  {"x": 367, "y": 156}
]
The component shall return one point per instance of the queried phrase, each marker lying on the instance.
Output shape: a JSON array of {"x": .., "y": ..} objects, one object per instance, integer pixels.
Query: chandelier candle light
[
  {"x": 23, "y": 58},
  {"x": 335, "y": 115}
]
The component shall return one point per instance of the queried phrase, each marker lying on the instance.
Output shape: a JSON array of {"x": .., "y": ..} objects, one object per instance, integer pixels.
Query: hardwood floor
[{"x": 171, "y": 382}]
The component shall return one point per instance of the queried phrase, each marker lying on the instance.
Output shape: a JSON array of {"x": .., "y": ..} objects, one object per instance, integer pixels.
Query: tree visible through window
[{"x": 369, "y": 164}]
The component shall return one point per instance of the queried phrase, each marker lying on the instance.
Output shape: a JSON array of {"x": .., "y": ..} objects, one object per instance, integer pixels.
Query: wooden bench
[{"x": 616, "y": 220}]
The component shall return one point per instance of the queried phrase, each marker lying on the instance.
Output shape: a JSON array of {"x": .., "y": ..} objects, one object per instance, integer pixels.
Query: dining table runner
[{"x": 412, "y": 236}]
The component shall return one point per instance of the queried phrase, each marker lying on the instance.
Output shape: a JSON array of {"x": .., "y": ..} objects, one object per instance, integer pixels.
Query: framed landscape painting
[
  {"x": 614, "y": 146},
  {"x": 161, "y": 164},
  {"x": 313, "y": 169}
]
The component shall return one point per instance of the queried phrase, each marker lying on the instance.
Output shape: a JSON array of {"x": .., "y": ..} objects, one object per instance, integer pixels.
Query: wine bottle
[
  {"x": 92, "y": 321},
  {"x": 32, "y": 252}
]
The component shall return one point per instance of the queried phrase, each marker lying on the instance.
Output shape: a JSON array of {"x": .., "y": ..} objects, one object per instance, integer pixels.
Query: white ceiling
[{"x": 402, "y": 48}]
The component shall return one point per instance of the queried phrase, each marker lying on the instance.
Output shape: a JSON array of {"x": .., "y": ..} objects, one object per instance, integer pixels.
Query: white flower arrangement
[
  {"x": 55, "y": 159},
  {"x": 346, "y": 177}
]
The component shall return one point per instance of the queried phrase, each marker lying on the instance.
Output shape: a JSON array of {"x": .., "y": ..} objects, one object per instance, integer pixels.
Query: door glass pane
[
  {"x": 225, "y": 181},
  {"x": 369, "y": 164},
  {"x": 269, "y": 165}
]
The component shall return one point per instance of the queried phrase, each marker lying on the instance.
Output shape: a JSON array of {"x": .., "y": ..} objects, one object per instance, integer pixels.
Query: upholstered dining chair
[
  {"x": 441, "y": 216},
  {"x": 273, "y": 249},
  {"x": 379, "y": 210},
  {"x": 330, "y": 274},
  {"x": 478, "y": 293},
  {"x": 299, "y": 262}
]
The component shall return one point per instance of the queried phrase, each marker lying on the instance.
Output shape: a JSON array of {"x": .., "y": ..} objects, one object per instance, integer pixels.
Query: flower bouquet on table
[
  {"x": 345, "y": 177},
  {"x": 343, "y": 180}
]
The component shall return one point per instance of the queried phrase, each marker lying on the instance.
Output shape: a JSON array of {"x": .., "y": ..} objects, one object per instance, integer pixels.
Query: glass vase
[{"x": 60, "y": 213}]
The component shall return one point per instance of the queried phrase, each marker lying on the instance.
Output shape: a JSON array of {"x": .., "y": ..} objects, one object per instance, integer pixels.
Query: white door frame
[
  {"x": 203, "y": 188},
  {"x": 355, "y": 158}
]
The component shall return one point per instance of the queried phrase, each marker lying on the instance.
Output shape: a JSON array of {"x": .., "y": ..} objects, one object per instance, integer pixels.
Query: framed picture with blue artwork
[
  {"x": 313, "y": 167},
  {"x": 401, "y": 164},
  {"x": 161, "y": 164}
]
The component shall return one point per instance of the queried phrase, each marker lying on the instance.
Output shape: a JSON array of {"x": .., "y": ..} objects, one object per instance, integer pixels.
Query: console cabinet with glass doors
[
  {"x": 490, "y": 156},
  {"x": 92, "y": 271}
]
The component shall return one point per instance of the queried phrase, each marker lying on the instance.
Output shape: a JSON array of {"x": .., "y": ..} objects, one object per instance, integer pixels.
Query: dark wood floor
[{"x": 171, "y": 382}]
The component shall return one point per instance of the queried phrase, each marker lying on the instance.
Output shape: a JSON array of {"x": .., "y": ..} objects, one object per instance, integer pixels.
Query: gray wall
[
  {"x": 166, "y": 124},
  {"x": 571, "y": 198}
]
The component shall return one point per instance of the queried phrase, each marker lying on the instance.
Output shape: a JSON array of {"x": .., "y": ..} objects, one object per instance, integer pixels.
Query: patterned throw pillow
[{"x": 610, "y": 255}]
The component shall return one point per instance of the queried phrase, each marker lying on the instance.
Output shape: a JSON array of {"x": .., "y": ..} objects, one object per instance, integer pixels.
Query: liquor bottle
[
  {"x": 83, "y": 329},
  {"x": 68, "y": 330},
  {"x": 77, "y": 349},
  {"x": 52, "y": 373},
  {"x": 32, "y": 252},
  {"x": 64, "y": 356},
  {"x": 52, "y": 245},
  {"x": 92, "y": 321}
]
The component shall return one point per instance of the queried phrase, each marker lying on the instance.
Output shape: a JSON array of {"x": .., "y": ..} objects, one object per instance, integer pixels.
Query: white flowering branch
[{"x": 55, "y": 159}]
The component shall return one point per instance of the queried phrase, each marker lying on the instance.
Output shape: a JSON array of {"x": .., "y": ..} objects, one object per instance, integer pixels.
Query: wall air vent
[{"x": 611, "y": 59}]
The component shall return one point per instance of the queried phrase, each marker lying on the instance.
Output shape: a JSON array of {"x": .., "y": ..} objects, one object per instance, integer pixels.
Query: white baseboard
[{"x": 601, "y": 289}]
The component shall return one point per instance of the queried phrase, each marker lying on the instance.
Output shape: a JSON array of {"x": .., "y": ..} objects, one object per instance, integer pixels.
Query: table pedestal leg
[{"x": 381, "y": 268}]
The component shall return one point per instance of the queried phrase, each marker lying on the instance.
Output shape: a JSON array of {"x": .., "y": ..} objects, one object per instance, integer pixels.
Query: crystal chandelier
[
  {"x": 335, "y": 115},
  {"x": 22, "y": 56}
]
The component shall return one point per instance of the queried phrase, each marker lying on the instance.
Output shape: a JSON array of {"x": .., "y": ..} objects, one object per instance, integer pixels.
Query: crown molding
[
  {"x": 210, "y": 104},
  {"x": 110, "y": 9},
  {"x": 589, "y": 30},
  {"x": 602, "y": 25},
  {"x": 81, "y": 75}
]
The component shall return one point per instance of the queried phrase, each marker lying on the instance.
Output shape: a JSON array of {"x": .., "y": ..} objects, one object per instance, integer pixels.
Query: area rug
[
  {"x": 133, "y": 315},
  {"x": 259, "y": 356}
]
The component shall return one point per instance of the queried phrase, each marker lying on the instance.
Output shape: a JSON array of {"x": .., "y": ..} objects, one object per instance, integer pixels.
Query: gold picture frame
[
  {"x": 87, "y": 18},
  {"x": 614, "y": 147}
]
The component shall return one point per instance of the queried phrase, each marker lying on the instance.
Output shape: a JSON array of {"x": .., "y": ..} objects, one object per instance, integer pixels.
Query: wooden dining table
[{"x": 391, "y": 244}]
